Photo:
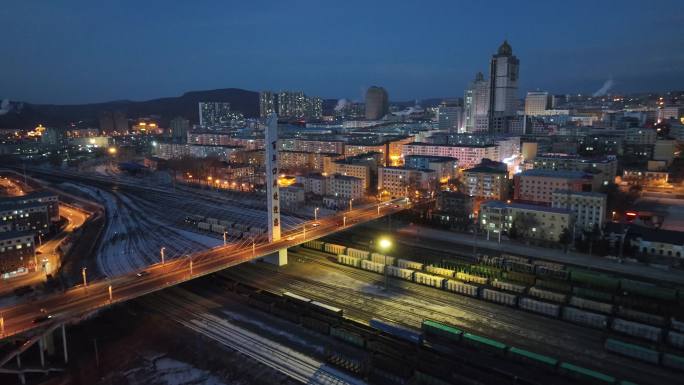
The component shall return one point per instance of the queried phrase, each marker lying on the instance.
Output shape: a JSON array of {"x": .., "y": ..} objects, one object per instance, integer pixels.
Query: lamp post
[
  {"x": 111, "y": 298},
  {"x": 224, "y": 238},
  {"x": 344, "y": 221},
  {"x": 161, "y": 251},
  {"x": 384, "y": 244},
  {"x": 350, "y": 204},
  {"x": 316, "y": 213},
  {"x": 2, "y": 326},
  {"x": 304, "y": 232},
  {"x": 85, "y": 280},
  {"x": 253, "y": 248},
  {"x": 190, "y": 265}
]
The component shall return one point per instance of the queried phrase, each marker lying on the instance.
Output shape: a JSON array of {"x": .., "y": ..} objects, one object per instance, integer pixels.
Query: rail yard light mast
[
  {"x": 85, "y": 280},
  {"x": 385, "y": 244}
]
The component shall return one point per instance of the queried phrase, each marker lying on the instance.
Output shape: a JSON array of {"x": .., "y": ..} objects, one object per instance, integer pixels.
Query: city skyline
[{"x": 151, "y": 59}]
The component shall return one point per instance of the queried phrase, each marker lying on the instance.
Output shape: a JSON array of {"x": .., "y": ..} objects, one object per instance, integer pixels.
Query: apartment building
[
  {"x": 486, "y": 182},
  {"x": 445, "y": 167},
  {"x": 400, "y": 181},
  {"x": 603, "y": 168},
  {"x": 468, "y": 155},
  {"x": 17, "y": 252},
  {"x": 588, "y": 208},
  {"x": 535, "y": 221},
  {"x": 538, "y": 186}
]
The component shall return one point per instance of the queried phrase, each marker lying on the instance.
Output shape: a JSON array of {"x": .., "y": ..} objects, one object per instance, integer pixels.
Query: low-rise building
[
  {"x": 17, "y": 253},
  {"x": 47, "y": 198},
  {"x": 32, "y": 216},
  {"x": 293, "y": 196},
  {"x": 468, "y": 155},
  {"x": 603, "y": 168},
  {"x": 486, "y": 182},
  {"x": 445, "y": 167},
  {"x": 361, "y": 170},
  {"x": 528, "y": 221},
  {"x": 537, "y": 186},
  {"x": 588, "y": 208},
  {"x": 345, "y": 186},
  {"x": 401, "y": 181},
  {"x": 642, "y": 177}
]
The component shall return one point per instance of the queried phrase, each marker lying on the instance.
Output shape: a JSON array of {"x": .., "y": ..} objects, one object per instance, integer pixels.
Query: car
[
  {"x": 291, "y": 238},
  {"x": 143, "y": 273},
  {"x": 396, "y": 206},
  {"x": 315, "y": 224},
  {"x": 42, "y": 318}
]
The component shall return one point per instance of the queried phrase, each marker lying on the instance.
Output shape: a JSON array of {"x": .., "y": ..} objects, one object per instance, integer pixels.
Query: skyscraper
[
  {"x": 450, "y": 115},
  {"x": 476, "y": 105},
  {"x": 503, "y": 86},
  {"x": 536, "y": 102},
  {"x": 179, "y": 128},
  {"x": 377, "y": 103},
  {"x": 267, "y": 103},
  {"x": 292, "y": 104},
  {"x": 214, "y": 114}
]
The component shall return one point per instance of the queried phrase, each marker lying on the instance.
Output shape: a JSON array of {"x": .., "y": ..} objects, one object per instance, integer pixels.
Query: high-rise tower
[
  {"x": 503, "y": 86},
  {"x": 377, "y": 103},
  {"x": 476, "y": 105}
]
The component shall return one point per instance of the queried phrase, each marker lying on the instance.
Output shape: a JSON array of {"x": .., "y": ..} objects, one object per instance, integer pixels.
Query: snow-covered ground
[
  {"x": 142, "y": 221},
  {"x": 156, "y": 369}
]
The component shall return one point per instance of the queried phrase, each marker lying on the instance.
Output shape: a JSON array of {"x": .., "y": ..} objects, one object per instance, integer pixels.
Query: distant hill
[
  {"x": 28, "y": 115},
  {"x": 21, "y": 115}
]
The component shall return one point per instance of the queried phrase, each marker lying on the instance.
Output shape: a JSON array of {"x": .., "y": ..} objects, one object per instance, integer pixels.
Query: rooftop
[
  {"x": 450, "y": 145},
  {"x": 581, "y": 193},
  {"x": 556, "y": 174},
  {"x": 486, "y": 169},
  {"x": 432, "y": 158},
  {"x": 524, "y": 206}
]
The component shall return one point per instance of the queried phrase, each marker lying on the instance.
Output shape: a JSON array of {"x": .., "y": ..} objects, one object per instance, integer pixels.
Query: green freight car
[
  {"x": 441, "y": 330},
  {"x": 484, "y": 343},
  {"x": 593, "y": 294},
  {"x": 586, "y": 374},
  {"x": 528, "y": 356},
  {"x": 594, "y": 280},
  {"x": 649, "y": 290}
]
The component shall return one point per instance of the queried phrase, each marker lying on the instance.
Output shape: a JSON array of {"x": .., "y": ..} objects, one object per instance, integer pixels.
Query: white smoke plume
[
  {"x": 5, "y": 106},
  {"x": 341, "y": 103},
  {"x": 605, "y": 88}
]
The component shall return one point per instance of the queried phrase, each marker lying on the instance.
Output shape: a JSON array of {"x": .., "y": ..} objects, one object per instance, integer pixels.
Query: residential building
[
  {"x": 538, "y": 186},
  {"x": 657, "y": 242},
  {"x": 445, "y": 167},
  {"x": 450, "y": 116},
  {"x": 17, "y": 253},
  {"x": 293, "y": 196},
  {"x": 603, "y": 168},
  {"x": 314, "y": 183},
  {"x": 468, "y": 155},
  {"x": 214, "y": 114},
  {"x": 25, "y": 217},
  {"x": 355, "y": 168},
  {"x": 486, "y": 182},
  {"x": 323, "y": 145},
  {"x": 452, "y": 202},
  {"x": 345, "y": 186},
  {"x": 179, "y": 127},
  {"x": 588, "y": 208},
  {"x": 531, "y": 221},
  {"x": 267, "y": 103},
  {"x": 645, "y": 178},
  {"x": 537, "y": 102},
  {"x": 377, "y": 103},
  {"x": 400, "y": 181},
  {"x": 44, "y": 197},
  {"x": 476, "y": 105}
]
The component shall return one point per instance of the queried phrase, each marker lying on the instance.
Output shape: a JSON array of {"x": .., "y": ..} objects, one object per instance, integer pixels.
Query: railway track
[
  {"x": 192, "y": 312},
  {"x": 562, "y": 338}
]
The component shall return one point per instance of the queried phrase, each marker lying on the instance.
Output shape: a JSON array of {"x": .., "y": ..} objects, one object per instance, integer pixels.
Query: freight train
[
  {"x": 563, "y": 304},
  {"x": 436, "y": 349},
  {"x": 233, "y": 229}
]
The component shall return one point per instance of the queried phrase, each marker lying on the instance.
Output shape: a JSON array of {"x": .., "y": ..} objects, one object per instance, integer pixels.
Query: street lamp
[
  {"x": 111, "y": 298},
  {"x": 350, "y": 204},
  {"x": 85, "y": 280},
  {"x": 316, "y": 213},
  {"x": 344, "y": 221},
  {"x": 161, "y": 251},
  {"x": 384, "y": 244},
  {"x": 224, "y": 238}
]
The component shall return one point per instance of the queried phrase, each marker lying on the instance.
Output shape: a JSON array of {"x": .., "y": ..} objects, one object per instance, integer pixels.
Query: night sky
[{"x": 89, "y": 51}]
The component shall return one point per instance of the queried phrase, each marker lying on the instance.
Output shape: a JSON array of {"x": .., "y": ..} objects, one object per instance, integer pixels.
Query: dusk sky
[{"x": 90, "y": 51}]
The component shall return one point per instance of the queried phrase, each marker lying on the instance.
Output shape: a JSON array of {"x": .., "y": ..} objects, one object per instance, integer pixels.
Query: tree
[
  {"x": 524, "y": 226},
  {"x": 618, "y": 200},
  {"x": 565, "y": 238}
]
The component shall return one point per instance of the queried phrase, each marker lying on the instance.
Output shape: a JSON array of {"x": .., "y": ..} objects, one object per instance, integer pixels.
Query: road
[{"x": 81, "y": 300}]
